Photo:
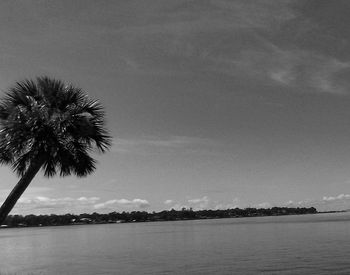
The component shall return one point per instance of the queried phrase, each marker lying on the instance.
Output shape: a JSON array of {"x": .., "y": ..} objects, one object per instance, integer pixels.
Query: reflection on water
[{"x": 309, "y": 244}]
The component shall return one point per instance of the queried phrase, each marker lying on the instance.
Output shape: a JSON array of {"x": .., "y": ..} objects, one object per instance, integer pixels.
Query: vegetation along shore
[{"x": 143, "y": 216}]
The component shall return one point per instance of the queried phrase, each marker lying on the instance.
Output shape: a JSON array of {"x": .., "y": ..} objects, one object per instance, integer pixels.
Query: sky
[{"x": 211, "y": 104}]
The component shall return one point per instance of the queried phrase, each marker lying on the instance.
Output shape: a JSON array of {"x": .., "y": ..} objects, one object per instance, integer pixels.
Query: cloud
[
  {"x": 88, "y": 200},
  {"x": 186, "y": 17},
  {"x": 179, "y": 206},
  {"x": 243, "y": 39},
  {"x": 131, "y": 204},
  {"x": 195, "y": 204},
  {"x": 231, "y": 205},
  {"x": 47, "y": 205},
  {"x": 197, "y": 36},
  {"x": 43, "y": 201},
  {"x": 305, "y": 70},
  {"x": 202, "y": 203},
  {"x": 174, "y": 141},
  {"x": 199, "y": 203},
  {"x": 156, "y": 145},
  {"x": 339, "y": 197},
  {"x": 200, "y": 200},
  {"x": 308, "y": 71},
  {"x": 262, "y": 205},
  {"x": 326, "y": 203},
  {"x": 30, "y": 192}
]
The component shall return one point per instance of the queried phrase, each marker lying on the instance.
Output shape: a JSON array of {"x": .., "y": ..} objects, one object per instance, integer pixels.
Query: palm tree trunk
[{"x": 20, "y": 187}]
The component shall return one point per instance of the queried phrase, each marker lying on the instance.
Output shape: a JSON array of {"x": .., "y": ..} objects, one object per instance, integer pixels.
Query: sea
[{"x": 305, "y": 244}]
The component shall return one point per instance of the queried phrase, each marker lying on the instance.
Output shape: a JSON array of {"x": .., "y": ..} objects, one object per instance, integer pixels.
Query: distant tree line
[{"x": 143, "y": 216}]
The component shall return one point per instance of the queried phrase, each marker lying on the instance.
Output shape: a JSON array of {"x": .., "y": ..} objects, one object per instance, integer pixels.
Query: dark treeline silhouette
[{"x": 142, "y": 216}]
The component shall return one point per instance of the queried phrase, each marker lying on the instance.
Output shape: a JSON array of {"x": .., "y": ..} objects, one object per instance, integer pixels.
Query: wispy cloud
[
  {"x": 161, "y": 145},
  {"x": 235, "y": 38},
  {"x": 124, "y": 203},
  {"x": 311, "y": 72},
  {"x": 202, "y": 203},
  {"x": 167, "y": 202},
  {"x": 339, "y": 197},
  {"x": 193, "y": 36},
  {"x": 199, "y": 203},
  {"x": 265, "y": 60},
  {"x": 186, "y": 17},
  {"x": 230, "y": 205},
  {"x": 30, "y": 192},
  {"x": 326, "y": 203},
  {"x": 262, "y": 205},
  {"x": 47, "y": 205},
  {"x": 194, "y": 203}
]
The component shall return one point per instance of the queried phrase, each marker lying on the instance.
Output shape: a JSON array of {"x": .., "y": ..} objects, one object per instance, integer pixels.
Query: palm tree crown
[{"x": 56, "y": 123}]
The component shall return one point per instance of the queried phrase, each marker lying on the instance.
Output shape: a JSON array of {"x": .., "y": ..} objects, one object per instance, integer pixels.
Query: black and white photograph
[{"x": 194, "y": 137}]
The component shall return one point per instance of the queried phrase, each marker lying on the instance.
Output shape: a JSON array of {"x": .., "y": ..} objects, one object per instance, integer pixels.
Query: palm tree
[{"x": 45, "y": 124}]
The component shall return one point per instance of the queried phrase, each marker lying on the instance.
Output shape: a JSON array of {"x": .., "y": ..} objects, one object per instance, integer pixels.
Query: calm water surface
[{"x": 310, "y": 244}]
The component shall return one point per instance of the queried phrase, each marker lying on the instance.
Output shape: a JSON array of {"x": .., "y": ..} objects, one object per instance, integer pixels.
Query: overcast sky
[{"x": 211, "y": 104}]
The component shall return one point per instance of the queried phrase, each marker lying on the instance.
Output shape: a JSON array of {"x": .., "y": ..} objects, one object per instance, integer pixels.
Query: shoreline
[{"x": 19, "y": 221}]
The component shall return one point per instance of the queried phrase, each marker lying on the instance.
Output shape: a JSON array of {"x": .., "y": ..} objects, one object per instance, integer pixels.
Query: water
[{"x": 309, "y": 244}]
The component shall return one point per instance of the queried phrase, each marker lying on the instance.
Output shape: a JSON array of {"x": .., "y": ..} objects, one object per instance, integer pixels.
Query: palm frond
[{"x": 59, "y": 122}]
